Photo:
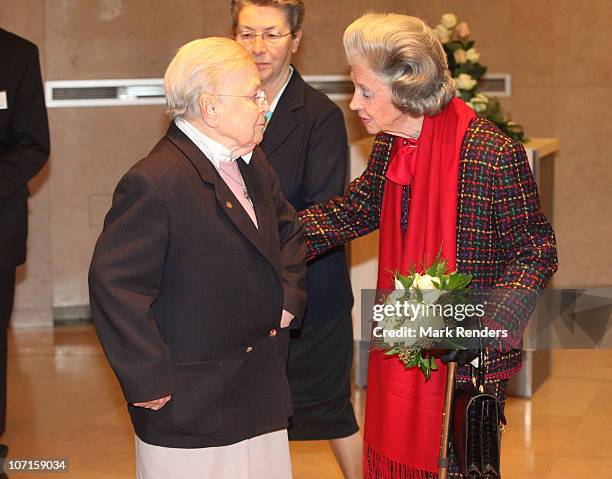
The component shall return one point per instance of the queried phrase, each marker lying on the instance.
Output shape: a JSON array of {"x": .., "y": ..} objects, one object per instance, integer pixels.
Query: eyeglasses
[
  {"x": 268, "y": 37},
  {"x": 259, "y": 98}
]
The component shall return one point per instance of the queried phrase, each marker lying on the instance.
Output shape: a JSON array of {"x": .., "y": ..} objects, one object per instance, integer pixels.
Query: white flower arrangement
[
  {"x": 466, "y": 69},
  {"x": 417, "y": 293}
]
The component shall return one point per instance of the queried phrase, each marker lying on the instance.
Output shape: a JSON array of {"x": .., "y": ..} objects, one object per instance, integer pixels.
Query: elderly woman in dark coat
[
  {"x": 439, "y": 178},
  {"x": 197, "y": 276}
]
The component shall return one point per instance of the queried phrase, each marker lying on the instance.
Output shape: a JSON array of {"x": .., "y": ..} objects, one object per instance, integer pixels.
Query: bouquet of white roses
[
  {"x": 466, "y": 69},
  {"x": 418, "y": 304}
]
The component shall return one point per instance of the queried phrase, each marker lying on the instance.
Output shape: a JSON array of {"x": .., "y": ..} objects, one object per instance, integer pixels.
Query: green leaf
[
  {"x": 459, "y": 281},
  {"x": 405, "y": 280},
  {"x": 442, "y": 267},
  {"x": 432, "y": 363},
  {"x": 466, "y": 95},
  {"x": 452, "y": 46},
  {"x": 419, "y": 295},
  {"x": 463, "y": 68},
  {"x": 478, "y": 70}
]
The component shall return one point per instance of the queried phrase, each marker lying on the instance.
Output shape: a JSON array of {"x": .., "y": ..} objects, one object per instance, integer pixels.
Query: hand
[
  {"x": 156, "y": 404},
  {"x": 286, "y": 319},
  {"x": 461, "y": 357}
]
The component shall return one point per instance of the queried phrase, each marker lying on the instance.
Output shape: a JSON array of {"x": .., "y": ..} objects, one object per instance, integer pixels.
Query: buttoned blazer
[
  {"x": 187, "y": 295},
  {"x": 306, "y": 145},
  {"x": 24, "y": 141},
  {"x": 503, "y": 239}
]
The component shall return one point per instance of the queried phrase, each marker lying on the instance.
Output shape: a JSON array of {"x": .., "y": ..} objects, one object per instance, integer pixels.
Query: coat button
[
  {"x": 229, "y": 204},
  {"x": 273, "y": 332},
  {"x": 249, "y": 349}
]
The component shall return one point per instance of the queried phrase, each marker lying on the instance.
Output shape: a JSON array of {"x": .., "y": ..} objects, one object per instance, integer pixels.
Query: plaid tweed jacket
[{"x": 503, "y": 239}]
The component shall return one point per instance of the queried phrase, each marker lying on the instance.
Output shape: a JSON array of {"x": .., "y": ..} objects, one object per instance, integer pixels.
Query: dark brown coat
[{"x": 187, "y": 296}]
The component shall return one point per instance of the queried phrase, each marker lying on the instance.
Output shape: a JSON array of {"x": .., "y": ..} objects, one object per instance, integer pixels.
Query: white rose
[
  {"x": 460, "y": 55},
  {"x": 465, "y": 82},
  {"x": 442, "y": 33},
  {"x": 462, "y": 30},
  {"x": 425, "y": 281},
  {"x": 479, "y": 103},
  {"x": 449, "y": 20},
  {"x": 399, "y": 285},
  {"x": 477, "y": 107},
  {"x": 473, "y": 55},
  {"x": 428, "y": 285}
]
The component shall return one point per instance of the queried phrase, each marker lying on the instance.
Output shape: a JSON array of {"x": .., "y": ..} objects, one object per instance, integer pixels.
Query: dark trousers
[{"x": 7, "y": 294}]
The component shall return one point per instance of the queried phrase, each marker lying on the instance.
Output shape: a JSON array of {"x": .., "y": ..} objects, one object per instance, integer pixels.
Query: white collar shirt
[{"x": 213, "y": 150}]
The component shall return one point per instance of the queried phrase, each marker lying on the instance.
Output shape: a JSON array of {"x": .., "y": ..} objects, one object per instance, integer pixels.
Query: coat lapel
[
  {"x": 265, "y": 220},
  {"x": 287, "y": 115},
  {"x": 226, "y": 200}
]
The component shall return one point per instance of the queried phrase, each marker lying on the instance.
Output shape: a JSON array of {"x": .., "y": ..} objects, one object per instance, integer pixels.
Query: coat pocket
[{"x": 195, "y": 407}]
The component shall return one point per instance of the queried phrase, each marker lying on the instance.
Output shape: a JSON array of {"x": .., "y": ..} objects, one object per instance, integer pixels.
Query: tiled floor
[{"x": 64, "y": 402}]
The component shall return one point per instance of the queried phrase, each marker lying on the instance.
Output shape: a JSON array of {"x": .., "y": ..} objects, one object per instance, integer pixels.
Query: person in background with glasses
[
  {"x": 305, "y": 142},
  {"x": 197, "y": 276}
]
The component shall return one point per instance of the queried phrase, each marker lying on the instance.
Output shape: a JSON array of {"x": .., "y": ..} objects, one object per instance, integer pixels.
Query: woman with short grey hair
[
  {"x": 440, "y": 181},
  {"x": 406, "y": 54}
]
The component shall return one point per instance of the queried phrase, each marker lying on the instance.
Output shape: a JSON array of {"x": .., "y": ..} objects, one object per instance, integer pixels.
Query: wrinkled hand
[
  {"x": 286, "y": 319},
  {"x": 156, "y": 404},
  {"x": 461, "y": 357}
]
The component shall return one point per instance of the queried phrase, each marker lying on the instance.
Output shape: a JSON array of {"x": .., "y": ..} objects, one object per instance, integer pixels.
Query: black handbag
[{"x": 478, "y": 421}]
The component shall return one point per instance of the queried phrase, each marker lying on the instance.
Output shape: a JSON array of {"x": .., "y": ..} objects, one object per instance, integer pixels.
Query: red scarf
[{"x": 403, "y": 412}]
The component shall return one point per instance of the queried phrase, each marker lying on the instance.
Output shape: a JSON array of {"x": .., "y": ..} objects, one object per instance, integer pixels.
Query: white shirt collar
[{"x": 213, "y": 150}]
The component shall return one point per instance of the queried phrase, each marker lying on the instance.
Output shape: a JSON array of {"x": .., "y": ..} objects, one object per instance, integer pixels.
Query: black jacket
[
  {"x": 306, "y": 144},
  {"x": 24, "y": 141},
  {"x": 187, "y": 295}
]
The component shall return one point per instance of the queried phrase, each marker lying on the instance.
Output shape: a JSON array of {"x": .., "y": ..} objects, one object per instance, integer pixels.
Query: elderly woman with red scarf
[{"x": 439, "y": 178}]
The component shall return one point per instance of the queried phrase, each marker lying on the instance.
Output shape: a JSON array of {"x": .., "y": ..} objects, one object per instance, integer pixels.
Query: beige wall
[{"x": 557, "y": 53}]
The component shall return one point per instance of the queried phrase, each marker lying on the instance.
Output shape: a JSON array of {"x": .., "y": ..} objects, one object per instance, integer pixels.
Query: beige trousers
[{"x": 261, "y": 457}]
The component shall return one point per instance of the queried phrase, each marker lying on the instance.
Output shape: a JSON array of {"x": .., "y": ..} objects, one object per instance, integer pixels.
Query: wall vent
[
  {"x": 496, "y": 84},
  {"x": 150, "y": 91},
  {"x": 79, "y": 93}
]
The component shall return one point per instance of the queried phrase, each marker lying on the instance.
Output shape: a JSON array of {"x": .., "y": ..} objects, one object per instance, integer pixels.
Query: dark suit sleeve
[
  {"x": 528, "y": 243},
  {"x": 29, "y": 130},
  {"x": 293, "y": 252},
  {"x": 327, "y": 158},
  {"x": 124, "y": 282}
]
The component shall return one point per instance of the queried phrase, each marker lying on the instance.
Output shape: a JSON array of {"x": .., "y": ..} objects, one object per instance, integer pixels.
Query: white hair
[{"x": 197, "y": 68}]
